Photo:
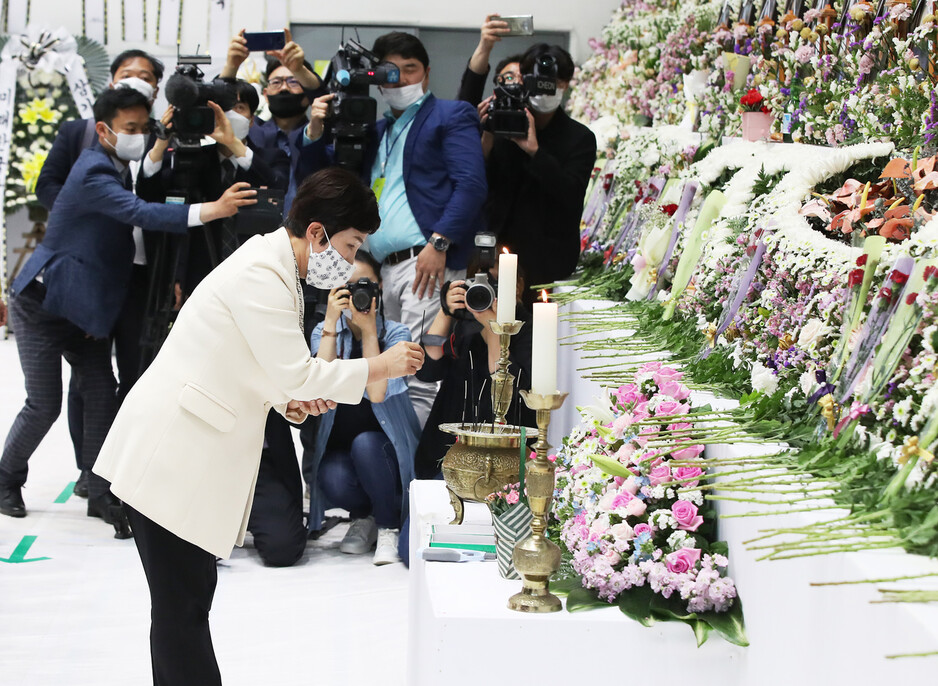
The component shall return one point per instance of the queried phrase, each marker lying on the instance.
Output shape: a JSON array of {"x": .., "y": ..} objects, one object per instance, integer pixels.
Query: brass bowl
[{"x": 484, "y": 458}]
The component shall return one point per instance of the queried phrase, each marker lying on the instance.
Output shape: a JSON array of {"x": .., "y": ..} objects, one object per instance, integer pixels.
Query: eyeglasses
[
  {"x": 279, "y": 82},
  {"x": 508, "y": 78}
]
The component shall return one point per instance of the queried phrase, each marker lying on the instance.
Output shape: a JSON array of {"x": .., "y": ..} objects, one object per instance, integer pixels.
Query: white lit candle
[
  {"x": 544, "y": 348},
  {"x": 507, "y": 287}
]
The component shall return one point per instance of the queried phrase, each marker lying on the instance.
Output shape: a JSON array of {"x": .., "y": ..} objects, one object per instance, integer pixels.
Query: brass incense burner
[{"x": 485, "y": 456}]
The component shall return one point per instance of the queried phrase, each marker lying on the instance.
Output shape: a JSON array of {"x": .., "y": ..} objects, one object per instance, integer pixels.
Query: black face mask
[{"x": 286, "y": 104}]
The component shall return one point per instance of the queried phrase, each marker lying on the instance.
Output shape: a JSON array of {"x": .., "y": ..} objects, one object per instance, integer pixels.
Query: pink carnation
[{"x": 512, "y": 497}]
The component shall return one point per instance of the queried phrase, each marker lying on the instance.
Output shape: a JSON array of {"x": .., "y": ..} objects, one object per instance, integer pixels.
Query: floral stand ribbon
[
  {"x": 37, "y": 50},
  {"x": 510, "y": 527}
]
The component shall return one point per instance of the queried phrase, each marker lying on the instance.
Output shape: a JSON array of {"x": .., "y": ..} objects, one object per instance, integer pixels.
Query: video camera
[
  {"x": 507, "y": 112},
  {"x": 188, "y": 93},
  {"x": 351, "y": 72}
]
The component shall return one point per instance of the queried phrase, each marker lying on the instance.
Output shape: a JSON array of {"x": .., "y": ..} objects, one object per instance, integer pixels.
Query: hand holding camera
[
  {"x": 318, "y": 112},
  {"x": 338, "y": 300},
  {"x": 237, "y": 196},
  {"x": 223, "y": 133}
]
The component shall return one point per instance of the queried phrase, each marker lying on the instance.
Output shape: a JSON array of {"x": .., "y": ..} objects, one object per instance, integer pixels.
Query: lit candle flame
[
  {"x": 505, "y": 250},
  {"x": 544, "y": 296}
]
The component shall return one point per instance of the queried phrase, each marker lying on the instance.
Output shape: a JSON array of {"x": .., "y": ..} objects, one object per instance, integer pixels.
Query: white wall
[{"x": 582, "y": 19}]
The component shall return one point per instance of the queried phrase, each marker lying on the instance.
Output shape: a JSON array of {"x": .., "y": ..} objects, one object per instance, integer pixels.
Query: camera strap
[{"x": 389, "y": 145}]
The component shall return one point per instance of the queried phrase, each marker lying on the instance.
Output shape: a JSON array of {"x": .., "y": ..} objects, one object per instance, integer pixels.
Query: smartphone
[
  {"x": 520, "y": 24},
  {"x": 265, "y": 40}
]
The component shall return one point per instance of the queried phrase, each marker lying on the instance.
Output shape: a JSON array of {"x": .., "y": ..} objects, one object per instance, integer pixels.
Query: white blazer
[{"x": 186, "y": 445}]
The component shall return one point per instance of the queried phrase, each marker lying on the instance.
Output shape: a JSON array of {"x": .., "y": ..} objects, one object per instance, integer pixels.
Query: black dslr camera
[
  {"x": 187, "y": 91},
  {"x": 480, "y": 290},
  {"x": 507, "y": 112},
  {"x": 362, "y": 292},
  {"x": 352, "y": 71}
]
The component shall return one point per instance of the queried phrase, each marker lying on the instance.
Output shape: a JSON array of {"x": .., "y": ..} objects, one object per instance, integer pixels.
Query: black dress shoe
[
  {"x": 81, "y": 486},
  {"x": 11, "y": 501},
  {"x": 111, "y": 510}
]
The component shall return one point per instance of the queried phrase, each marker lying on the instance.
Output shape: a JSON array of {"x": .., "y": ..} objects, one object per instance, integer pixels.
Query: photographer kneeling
[
  {"x": 364, "y": 456},
  {"x": 537, "y": 179}
]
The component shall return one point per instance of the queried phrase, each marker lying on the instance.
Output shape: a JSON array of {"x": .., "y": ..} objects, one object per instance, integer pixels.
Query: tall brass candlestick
[
  {"x": 536, "y": 558},
  {"x": 502, "y": 382}
]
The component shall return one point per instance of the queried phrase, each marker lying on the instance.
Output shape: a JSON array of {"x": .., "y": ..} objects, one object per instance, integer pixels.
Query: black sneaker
[
  {"x": 11, "y": 501},
  {"x": 81, "y": 486}
]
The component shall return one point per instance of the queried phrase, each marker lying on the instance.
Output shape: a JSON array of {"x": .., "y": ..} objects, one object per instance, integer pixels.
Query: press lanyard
[{"x": 389, "y": 145}]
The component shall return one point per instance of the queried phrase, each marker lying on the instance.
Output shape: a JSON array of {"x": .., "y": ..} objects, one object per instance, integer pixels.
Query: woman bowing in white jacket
[{"x": 184, "y": 450}]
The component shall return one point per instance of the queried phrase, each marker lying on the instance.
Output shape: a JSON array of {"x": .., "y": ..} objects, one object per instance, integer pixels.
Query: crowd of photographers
[{"x": 141, "y": 210}]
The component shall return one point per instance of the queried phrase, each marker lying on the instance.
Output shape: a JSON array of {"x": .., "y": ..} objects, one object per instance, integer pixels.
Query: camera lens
[
  {"x": 479, "y": 297},
  {"x": 361, "y": 300}
]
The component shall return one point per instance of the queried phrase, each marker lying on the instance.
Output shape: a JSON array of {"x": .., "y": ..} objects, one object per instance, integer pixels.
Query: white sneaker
[
  {"x": 386, "y": 552},
  {"x": 360, "y": 537}
]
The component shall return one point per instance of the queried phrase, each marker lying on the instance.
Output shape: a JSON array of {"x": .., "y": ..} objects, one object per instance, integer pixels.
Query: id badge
[{"x": 378, "y": 188}]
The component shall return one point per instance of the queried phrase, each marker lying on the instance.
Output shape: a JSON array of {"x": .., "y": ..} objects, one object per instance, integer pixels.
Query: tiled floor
[{"x": 82, "y": 615}]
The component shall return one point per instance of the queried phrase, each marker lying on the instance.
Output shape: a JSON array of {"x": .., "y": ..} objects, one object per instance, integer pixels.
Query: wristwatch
[{"x": 440, "y": 243}]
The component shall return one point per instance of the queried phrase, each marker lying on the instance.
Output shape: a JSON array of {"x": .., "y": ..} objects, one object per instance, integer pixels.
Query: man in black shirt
[
  {"x": 537, "y": 183},
  {"x": 477, "y": 71}
]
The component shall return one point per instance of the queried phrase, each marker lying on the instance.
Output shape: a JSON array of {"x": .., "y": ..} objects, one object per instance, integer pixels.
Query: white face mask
[
  {"x": 546, "y": 103},
  {"x": 327, "y": 269},
  {"x": 403, "y": 97},
  {"x": 130, "y": 147},
  {"x": 239, "y": 124},
  {"x": 138, "y": 85}
]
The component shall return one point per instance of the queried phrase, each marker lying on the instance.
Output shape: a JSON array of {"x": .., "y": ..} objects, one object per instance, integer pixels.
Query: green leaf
[
  {"x": 584, "y": 599},
  {"x": 636, "y": 603},
  {"x": 670, "y": 608},
  {"x": 701, "y": 631},
  {"x": 562, "y": 587},
  {"x": 610, "y": 466},
  {"x": 720, "y": 548},
  {"x": 729, "y": 625}
]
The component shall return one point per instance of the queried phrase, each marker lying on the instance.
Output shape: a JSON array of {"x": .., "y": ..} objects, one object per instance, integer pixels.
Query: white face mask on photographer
[
  {"x": 130, "y": 147},
  {"x": 327, "y": 269},
  {"x": 138, "y": 85},
  {"x": 544, "y": 104},
  {"x": 403, "y": 97},
  {"x": 240, "y": 125}
]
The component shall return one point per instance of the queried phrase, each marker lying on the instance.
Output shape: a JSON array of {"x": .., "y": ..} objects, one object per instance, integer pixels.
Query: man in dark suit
[
  {"x": 233, "y": 159},
  {"x": 132, "y": 69},
  {"x": 425, "y": 165},
  {"x": 70, "y": 292},
  {"x": 537, "y": 183}
]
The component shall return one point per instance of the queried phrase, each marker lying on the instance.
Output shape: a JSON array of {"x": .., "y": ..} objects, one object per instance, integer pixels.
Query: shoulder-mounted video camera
[
  {"x": 189, "y": 94},
  {"x": 352, "y": 71},
  {"x": 507, "y": 112}
]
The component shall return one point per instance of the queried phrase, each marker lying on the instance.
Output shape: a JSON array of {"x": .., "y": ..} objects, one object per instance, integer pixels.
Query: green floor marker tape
[
  {"x": 67, "y": 493},
  {"x": 19, "y": 555}
]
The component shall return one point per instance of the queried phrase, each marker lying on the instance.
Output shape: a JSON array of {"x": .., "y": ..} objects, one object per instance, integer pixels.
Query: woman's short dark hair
[
  {"x": 565, "y": 66},
  {"x": 133, "y": 54},
  {"x": 337, "y": 199},
  {"x": 406, "y": 45},
  {"x": 366, "y": 257},
  {"x": 113, "y": 99},
  {"x": 247, "y": 94}
]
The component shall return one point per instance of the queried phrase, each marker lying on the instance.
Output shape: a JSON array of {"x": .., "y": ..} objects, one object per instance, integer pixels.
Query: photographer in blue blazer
[
  {"x": 70, "y": 292},
  {"x": 425, "y": 165}
]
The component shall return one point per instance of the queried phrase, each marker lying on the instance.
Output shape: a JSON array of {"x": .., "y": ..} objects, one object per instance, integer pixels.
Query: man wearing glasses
[{"x": 291, "y": 87}]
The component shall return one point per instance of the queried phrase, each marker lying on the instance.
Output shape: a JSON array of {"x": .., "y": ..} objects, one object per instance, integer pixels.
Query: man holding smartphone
[
  {"x": 291, "y": 87},
  {"x": 473, "y": 79}
]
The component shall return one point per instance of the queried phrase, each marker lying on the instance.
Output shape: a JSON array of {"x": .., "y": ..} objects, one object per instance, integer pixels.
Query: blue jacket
[
  {"x": 88, "y": 252},
  {"x": 304, "y": 159},
  {"x": 395, "y": 415},
  {"x": 444, "y": 173}
]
